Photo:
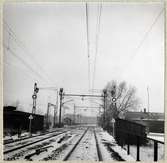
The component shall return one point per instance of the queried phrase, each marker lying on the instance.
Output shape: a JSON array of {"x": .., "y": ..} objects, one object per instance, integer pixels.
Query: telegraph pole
[
  {"x": 148, "y": 103},
  {"x": 105, "y": 95},
  {"x": 61, "y": 97},
  {"x": 55, "y": 106},
  {"x": 74, "y": 112},
  {"x": 47, "y": 116},
  {"x": 55, "y": 110}
]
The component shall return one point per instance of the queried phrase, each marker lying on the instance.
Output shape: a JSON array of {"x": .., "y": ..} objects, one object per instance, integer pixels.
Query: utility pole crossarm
[
  {"x": 87, "y": 106},
  {"x": 83, "y": 95},
  {"x": 48, "y": 88}
]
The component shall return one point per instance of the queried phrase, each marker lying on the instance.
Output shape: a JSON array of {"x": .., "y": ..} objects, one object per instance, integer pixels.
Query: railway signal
[
  {"x": 113, "y": 95},
  {"x": 34, "y": 97},
  {"x": 113, "y": 99},
  {"x": 113, "y": 91}
]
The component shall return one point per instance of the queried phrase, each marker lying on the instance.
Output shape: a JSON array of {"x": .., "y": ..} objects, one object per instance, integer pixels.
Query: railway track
[
  {"x": 74, "y": 147},
  {"x": 26, "y": 138},
  {"x": 31, "y": 143},
  {"x": 100, "y": 158},
  {"x": 72, "y": 144},
  {"x": 72, "y": 151}
]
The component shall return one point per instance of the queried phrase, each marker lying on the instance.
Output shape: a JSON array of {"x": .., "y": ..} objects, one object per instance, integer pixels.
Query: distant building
[
  {"x": 154, "y": 121},
  {"x": 81, "y": 119},
  {"x": 67, "y": 121},
  {"x": 15, "y": 121}
]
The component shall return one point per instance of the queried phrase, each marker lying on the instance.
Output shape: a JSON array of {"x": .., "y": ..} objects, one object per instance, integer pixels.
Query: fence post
[
  {"x": 155, "y": 150},
  {"x": 138, "y": 148},
  {"x": 128, "y": 146},
  {"x": 128, "y": 152}
]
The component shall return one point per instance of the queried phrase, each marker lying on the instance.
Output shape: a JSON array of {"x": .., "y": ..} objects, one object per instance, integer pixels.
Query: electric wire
[
  {"x": 88, "y": 46},
  {"x": 97, "y": 42},
  {"x": 28, "y": 56},
  {"x": 8, "y": 47},
  {"x": 24, "y": 63},
  {"x": 23, "y": 47},
  {"x": 143, "y": 39},
  {"x": 147, "y": 32},
  {"x": 9, "y": 64},
  {"x": 24, "y": 75}
]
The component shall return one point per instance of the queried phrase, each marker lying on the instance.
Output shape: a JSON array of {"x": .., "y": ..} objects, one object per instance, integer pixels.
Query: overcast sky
[{"x": 47, "y": 43}]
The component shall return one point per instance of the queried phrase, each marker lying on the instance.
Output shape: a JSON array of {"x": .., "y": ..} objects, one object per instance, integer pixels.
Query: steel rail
[
  {"x": 13, "y": 141},
  {"x": 74, "y": 147},
  {"x": 45, "y": 133},
  {"x": 16, "y": 148},
  {"x": 98, "y": 148}
]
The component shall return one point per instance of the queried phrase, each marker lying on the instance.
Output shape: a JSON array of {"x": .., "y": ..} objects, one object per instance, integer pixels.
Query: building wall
[
  {"x": 14, "y": 121},
  {"x": 154, "y": 121},
  {"x": 156, "y": 126}
]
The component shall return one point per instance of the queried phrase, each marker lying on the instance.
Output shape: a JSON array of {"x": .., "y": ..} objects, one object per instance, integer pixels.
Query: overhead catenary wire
[
  {"x": 97, "y": 42},
  {"x": 25, "y": 51},
  {"x": 27, "y": 74},
  {"x": 88, "y": 46},
  {"x": 24, "y": 75},
  {"x": 23, "y": 47},
  {"x": 24, "y": 62},
  {"x": 143, "y": 39},
  {"x": 8, "y": 48},
  {"x": 147, "y": 32}
]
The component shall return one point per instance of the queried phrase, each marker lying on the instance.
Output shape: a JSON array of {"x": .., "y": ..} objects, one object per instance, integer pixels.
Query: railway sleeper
[{"x": 37, "y": 152}]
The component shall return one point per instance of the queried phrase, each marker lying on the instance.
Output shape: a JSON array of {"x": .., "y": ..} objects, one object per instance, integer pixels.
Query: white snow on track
[
  {"x": 64, "y": 147},
  {"x": 106, "y": 138},
  {"x": 86, "y": 150},
  {"x": 60, "y": 145},
  {"x": 21, "y": 153}
]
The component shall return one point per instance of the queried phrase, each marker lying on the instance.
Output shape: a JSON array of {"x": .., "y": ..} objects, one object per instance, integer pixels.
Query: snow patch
[{"x": 107, "y": 138}]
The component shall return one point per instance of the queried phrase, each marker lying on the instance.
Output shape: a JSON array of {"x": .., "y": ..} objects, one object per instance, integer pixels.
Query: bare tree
[{"x": 120, "y": 98}]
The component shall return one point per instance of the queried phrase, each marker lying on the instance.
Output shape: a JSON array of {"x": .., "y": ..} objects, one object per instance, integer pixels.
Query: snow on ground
[
  {"x": 69, "y": 145},
  {"x": 58, "y": 150},
  {"x": 156, "y": 136},
  {"x": 55, "y": 145},
  {"x": 15, "y": 137},
  {"x": 147, "y": 151},
  {"x": 27, "y": 141},
  {"x": 86, "y": 150},
  {"x": 21, "y": 142},
  {"x": 110, "y": 143},
  {"x": 27, "y": 134},
  {"x": 21, "y": 153},
  {"x": 106, "y": 155},
  {"x": 60, "y": 145}
]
